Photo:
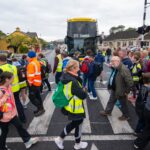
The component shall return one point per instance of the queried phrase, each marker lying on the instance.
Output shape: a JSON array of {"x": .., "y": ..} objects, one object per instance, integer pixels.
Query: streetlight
[{"x": 145, "y": 28}]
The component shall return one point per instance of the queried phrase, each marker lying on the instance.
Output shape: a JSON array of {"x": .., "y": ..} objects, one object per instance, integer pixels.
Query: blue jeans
[
  {"x": 85, "y": 78},
  {"x": 91, "y": 87}
]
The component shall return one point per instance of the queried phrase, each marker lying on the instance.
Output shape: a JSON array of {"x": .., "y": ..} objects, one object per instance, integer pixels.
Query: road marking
[
  {"x": 84, "y": 137},
  {"x": 94, "y": 147},
  {"x": 86, "y": 128},
  {"x": 117, "y": 126},
  {"x": 39, "y": 125},
  {"x": 86, "y": 124},
  {"x": 52, "y": 82},
  {"x": 102, "y": 82}
]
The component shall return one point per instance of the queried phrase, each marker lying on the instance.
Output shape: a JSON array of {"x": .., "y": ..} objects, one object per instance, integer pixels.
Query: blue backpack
[{"x": 65, "y": 61}]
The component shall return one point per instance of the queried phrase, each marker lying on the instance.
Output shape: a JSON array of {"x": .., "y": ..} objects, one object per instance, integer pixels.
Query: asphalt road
[{"x": 100, "y": 132}]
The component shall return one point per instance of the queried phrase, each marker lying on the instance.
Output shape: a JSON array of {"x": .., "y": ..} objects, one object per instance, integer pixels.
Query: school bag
[
  {"x": 22, "y": 73},
  {"x": 97, "y": 69},
  {"x": 59, "y": 98},
  {"x": 85, "y": 66},
  {"x": 48, "y": 67},
  {"x": 65, "y": 61},
  {"x": 43, "y": 71}
]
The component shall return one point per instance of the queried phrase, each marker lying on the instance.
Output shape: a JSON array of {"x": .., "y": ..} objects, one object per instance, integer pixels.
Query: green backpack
[{"x": 59, "y": 98}]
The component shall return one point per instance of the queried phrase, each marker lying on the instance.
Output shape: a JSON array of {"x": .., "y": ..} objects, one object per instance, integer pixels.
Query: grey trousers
[{"x": 112, "y": 100}]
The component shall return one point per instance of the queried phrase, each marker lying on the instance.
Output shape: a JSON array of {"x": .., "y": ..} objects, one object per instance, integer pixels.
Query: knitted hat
[{"x": 31, "y": 54}]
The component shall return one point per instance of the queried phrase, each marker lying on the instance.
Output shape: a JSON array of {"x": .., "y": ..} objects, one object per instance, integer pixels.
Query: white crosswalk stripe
[
  {"x": 94, "y": 147},
  {"x": 39, "y": 125},
  {"x": 117, "y": 126},
  {"x": 84, "y": 138}
]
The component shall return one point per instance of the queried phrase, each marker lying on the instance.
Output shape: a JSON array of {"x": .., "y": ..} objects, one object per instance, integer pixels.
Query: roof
[
  {"x": 131, "y": 34},
  {"x": 82, "y": 19},
  {"x": 32, "y": 34}
]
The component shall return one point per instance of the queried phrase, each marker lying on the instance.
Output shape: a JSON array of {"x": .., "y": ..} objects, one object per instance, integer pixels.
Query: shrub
[{"x": 23, "y": 49}]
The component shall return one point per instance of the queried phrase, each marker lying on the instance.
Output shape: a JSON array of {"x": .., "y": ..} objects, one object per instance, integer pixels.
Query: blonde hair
[{"x": 71, "y": 65}]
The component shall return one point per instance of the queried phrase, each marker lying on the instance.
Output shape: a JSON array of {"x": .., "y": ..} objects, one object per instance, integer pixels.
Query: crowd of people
[{"x": 21, "y": 79}]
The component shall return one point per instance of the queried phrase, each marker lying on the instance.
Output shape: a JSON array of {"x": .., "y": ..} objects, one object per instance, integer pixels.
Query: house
[
  {"x": 19, "y": 38},
  {"x": 125, "y": 39}
]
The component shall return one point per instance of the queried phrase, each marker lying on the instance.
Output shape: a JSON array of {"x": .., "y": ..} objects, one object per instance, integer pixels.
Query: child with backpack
[
  {"x": 9, "y": 113},
  {"x": 84, "y": 68},
  {"x": 45, "y": 70},
  {"x": 95, "y": 70}
]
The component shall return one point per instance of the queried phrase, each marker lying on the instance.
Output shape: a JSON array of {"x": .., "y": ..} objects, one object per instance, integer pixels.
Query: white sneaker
[
  {"x": 31, "y": 142},
  {"x": 81, "y": 145},
  {"x": 93, "y": 98},
  {"x": 59, "y": 142},
  {"x": 89, "y": 93}
]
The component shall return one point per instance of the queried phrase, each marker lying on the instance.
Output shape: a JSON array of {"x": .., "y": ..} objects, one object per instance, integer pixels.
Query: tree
[
  {"x": 2, "y": 33},
  {"x": 116, "y": 29},
  {"x": 17, "y": 40},
  {"x": 130, "y": 29},
  {"x": 43, "y": 43}
]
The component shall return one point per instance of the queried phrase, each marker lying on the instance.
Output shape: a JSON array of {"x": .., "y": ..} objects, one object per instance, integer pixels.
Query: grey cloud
[{"x": 48, "y": 17}]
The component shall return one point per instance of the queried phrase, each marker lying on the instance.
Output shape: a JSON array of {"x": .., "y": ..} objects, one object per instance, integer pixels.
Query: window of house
[
  {"x": 130, "y": 43},
  {"x": 118, "y": 44},
  {"x": 124, "y": 44}
]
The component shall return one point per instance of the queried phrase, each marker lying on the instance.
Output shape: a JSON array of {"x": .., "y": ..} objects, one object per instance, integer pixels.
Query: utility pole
[
  {"x": 146, "y": 5},
  {"x": 144, "y": 18}
]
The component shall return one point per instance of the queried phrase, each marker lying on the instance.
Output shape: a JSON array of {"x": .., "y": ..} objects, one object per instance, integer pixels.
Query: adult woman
[{"x": 75, "y": 110}]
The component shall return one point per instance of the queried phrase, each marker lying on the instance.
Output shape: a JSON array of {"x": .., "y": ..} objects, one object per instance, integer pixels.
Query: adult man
[
  {"x": 4, "y": 66},
  {"x": 57, "y": 66},
  {"x": 120, "y": 83},
  {"x": 34, "y": 81}
]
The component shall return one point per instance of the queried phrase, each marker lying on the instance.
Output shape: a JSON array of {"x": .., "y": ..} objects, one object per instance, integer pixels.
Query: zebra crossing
[{"x": 40, "y": 125}]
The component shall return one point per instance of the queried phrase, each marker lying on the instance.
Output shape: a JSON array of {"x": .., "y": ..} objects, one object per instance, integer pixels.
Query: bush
[{"x": 23, "y": 49}]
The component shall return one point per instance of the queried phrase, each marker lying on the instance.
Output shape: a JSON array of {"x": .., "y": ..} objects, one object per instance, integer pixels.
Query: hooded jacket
[{"x": 75, "y": 90}]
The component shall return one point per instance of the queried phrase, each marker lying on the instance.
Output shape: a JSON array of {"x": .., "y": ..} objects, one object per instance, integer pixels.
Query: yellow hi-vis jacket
[
  {"x": 75, "y": 105},
  {"x": 12, "y": 69},
  {"x": 60, "y": 63},
  {"x": 135, "y": 71}
]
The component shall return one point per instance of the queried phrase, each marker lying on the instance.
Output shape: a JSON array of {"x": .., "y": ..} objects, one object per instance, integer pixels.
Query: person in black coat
[{"x": 74, "y": 113}]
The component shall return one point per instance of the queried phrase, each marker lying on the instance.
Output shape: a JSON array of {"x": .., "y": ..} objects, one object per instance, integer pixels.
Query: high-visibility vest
[
  {"x": 59, "y": 67},
  {"x": 134, "y": 71},
  {"x": 34, "y": 73},
  {"x": 23, "y": 84},
  {"x": 75, "y": 105},
  {"x": 12, "y": 69}
]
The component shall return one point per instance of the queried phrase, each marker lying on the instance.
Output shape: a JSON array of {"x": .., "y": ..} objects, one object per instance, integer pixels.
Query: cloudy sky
[{"x": 48, "y": 17}]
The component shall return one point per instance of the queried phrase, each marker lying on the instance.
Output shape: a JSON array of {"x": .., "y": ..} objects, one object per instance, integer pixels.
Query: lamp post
[{"x": 146, "y": 5}]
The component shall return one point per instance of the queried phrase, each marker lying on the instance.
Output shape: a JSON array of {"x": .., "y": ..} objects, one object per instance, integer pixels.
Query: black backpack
[
  {"x": 22, "y": 73},
  {"x": 43, "y": 71},
  {"x": 97, "y": 69},
  {"x": 48, "y": 67}
]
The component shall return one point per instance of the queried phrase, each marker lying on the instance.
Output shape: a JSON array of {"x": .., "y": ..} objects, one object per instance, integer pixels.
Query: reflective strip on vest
[
  {"x": 60, "y": 63},
  {"x": 35, "y": 80},
  {"x": 13, "y": 70},
  {"x": 36, "y": 70},
  {"x": 23, "y": 84},
  {"x": 75, "y": 105},
  {"x": 136, "y": 78}
]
